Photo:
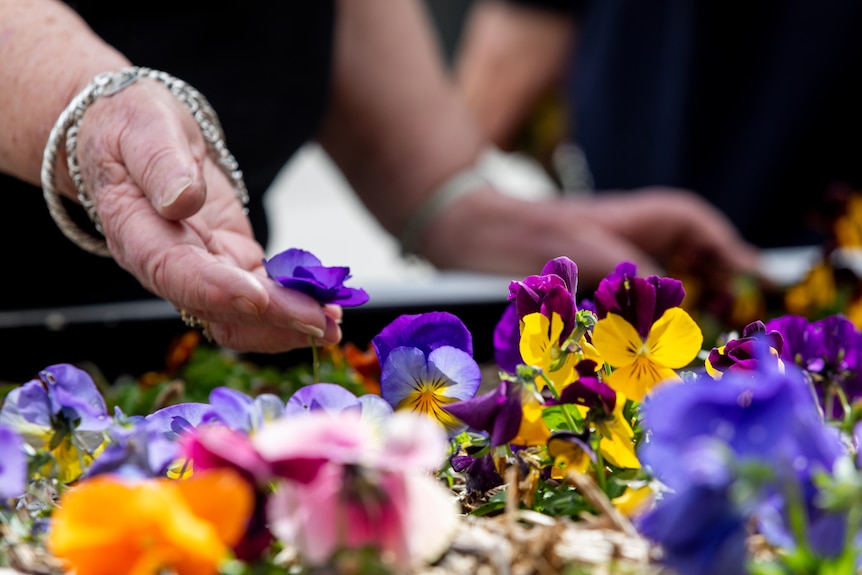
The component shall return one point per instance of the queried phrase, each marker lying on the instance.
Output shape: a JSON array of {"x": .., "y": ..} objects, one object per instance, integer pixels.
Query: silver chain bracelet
[{"x": 69, "y": 122}]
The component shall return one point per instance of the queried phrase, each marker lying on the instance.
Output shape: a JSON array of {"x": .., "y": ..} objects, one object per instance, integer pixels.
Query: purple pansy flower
[
  {"x": 553, "y": 291},
  {"x": 229, "y": 407},
  {"x": 770, "y": 419},
  {"x": 62, "y": 411},
  {"x": 829, "y": 349},
  {"x": 480, "y": 472},
  {"x": 640, "y": 301},
  {"x": 740, "y": 354},
  {"x": 302, "y": 271},
  {"x": 63, "y": 397},
  {"x": 425, "y": 331},
  {"x": 61, "y": 392},
  {"x": 136, "y": 450},
  {"x": 427, "y": 362},
  {"x": 239, "y": 410},
  {"x": 175, "y": 420},
  {"x": 13, "y": 465},
  {"x": 793, "y": 330},
  {"x": 700, "y": 529},
  {"x": 421, "y": 383},
  {"x": 507, "y": 340},
  {"x": 498, "y": 412},
  {"x": 328, "y": 397},
  {"x": 588, "y": 391},
  {"x": 336, "y": 400}
]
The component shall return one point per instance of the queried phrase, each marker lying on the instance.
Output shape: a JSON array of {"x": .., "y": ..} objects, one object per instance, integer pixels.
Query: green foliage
[{"x": 210, "y": 367}]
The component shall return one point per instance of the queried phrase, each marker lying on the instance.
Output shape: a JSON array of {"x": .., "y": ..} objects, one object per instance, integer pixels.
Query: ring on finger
[{"x": 197, "y": 323}]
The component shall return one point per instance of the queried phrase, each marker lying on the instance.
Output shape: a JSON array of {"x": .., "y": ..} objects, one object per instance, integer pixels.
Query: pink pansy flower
[{"x": 376, "y": 490}]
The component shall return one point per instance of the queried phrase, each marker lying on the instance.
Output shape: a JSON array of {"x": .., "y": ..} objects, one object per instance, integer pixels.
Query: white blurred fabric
[{"x": 311, "y": 206}]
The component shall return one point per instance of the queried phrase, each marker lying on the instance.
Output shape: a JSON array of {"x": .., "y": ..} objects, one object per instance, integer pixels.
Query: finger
[
  {"x": 270, "y": 339},
  {"x": 183, "y": 263},
  {"x": 336, "y": 312},
  {"x": 159, "y": 145}
]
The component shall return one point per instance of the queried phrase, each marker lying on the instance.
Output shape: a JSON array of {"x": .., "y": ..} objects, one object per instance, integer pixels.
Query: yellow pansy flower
[
  {"x": 533, "y": 430},
  {"x": 540, "y": 347},
  {"x": 617, "y": 438},
  {"x": 633, "y": 500},
  {"x": 672, "y": 343}
]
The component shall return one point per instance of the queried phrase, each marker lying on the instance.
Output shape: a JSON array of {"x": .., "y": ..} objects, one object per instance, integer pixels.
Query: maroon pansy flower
[
  {"x": 743, "y": 353},
  {"x": 552, "y": 291},
  {"x": 497, "y": 412},
  {"x": 640, "y": 301}
]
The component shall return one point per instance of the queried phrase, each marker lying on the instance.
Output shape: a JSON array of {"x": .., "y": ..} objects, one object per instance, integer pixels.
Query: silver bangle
[
  {"x": 458, "y": 185},
  {"x": 68, "y": 123}
]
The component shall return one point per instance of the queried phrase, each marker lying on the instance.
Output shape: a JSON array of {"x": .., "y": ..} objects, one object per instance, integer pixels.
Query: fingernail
[
  {"x": 308, "y": 329},
  {"x": 175, "y": 190}
]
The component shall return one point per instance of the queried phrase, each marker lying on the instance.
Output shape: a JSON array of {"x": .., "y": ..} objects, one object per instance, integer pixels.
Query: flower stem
[
  {"x": 315, "y": 360},
  {"x": 551, "y": 385},
  {"x": 601, "y": 478}
]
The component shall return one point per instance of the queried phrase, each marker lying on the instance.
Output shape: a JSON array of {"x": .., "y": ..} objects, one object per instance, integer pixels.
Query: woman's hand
[{"x": 172, "y": 220}]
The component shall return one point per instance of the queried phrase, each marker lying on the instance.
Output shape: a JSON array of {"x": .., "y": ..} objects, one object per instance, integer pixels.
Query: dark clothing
[
  {"x": 264, "y": 66},
  {"x": 751, "y": 104}
]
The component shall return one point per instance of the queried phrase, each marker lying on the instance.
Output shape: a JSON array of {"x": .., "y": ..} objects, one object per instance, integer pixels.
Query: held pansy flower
[
  {"x": 427, "y": 363},
  {"x": 302, "y": 271},
  {"x": 642, "y": 332}
]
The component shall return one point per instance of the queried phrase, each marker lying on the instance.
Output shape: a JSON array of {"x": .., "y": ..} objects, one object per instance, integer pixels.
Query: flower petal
[
  {"x": 675, "y": 339},
  {"x": 410, "y": 381},
  {"x": 303, "y": 272},
  {"x": 459, "y": 368},
  {"x": 636, "y": 379},
  {"x": 331, "y": 398},
  {"x": 13, "y": 465},
  {"x": 425, "y": 331},
  {"x": 617, "y": 340}
]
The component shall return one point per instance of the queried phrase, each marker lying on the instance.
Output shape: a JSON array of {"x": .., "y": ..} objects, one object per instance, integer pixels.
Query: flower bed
[{"x": 614, "y": 434}]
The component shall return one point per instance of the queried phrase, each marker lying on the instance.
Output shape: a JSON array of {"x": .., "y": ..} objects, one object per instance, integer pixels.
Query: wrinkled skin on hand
[
  {"x": 677, "y": 226},
  {"x": 651, "y": 227},
  {"x": 171, "y": 219}
]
